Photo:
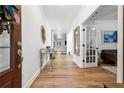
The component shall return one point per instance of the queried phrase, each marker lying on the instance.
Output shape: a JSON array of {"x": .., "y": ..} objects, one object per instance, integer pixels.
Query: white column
[{"x": 120, "y": 45}]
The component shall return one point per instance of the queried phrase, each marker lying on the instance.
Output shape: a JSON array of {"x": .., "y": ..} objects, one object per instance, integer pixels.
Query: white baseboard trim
[{"x": 29, "y": 83}]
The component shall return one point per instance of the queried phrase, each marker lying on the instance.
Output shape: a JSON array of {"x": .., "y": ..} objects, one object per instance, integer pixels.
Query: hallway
[
  {"x": 83, "y": 39},
  {"x": 67, "y": 74}
]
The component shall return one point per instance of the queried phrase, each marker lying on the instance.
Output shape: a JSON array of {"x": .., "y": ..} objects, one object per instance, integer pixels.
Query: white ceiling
[
  {"x": 60, "y": 17},
  {"x": 107, "y": 12}
]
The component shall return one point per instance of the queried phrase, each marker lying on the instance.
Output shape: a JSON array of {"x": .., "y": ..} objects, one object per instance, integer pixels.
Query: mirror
[
  {"x": 43, "y": 34},
  {"x": 77, "y": 41}
]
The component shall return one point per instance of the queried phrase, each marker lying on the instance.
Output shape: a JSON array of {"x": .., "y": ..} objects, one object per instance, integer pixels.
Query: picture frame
[{"x": 109, "y": 37}]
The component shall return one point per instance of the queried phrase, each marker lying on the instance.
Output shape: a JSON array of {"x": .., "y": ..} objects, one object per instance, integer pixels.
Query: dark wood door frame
[{"x": 11, "y": 78}]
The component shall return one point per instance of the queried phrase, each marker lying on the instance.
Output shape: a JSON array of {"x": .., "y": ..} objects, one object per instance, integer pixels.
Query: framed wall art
[{"x": 109, "y": 37}]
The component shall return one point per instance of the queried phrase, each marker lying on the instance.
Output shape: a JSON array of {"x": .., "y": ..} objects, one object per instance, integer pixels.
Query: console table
[{"x": 44, "y": 57}]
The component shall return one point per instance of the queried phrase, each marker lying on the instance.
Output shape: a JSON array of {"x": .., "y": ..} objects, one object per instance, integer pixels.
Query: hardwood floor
[{"x": 66, "y": 74}]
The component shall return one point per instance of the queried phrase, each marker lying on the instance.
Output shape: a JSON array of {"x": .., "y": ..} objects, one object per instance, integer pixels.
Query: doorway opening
[{"x": 100, "y": 38}]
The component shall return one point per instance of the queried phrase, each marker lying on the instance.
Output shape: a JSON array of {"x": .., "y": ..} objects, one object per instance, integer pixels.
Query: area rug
[{"x": 112, "y": 69}]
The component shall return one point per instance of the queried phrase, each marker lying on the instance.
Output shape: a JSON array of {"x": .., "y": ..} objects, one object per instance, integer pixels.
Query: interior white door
[{"x": 90, "y": 50}]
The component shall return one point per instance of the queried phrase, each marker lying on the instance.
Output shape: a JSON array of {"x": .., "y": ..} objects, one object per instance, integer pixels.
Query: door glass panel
[
  {"x": 87, "y": 59},
  {"x": 91, "y": 45},
  {"x": 4, "y": 50}
]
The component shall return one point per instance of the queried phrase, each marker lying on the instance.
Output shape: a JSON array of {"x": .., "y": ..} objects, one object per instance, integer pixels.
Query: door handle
[
  {"x": 19, "y": 66},
  {"x": 19, "y": 44},
  {"x": 19, "y": 52}
]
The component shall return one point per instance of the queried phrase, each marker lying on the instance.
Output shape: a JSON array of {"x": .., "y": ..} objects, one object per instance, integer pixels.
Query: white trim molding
[
  {"x": 29, "y": 83},
  {"x": 120, "y": 45}
]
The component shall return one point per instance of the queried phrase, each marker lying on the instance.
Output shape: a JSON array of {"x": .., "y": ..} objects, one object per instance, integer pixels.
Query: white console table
[{"x": 44, "y": 57}]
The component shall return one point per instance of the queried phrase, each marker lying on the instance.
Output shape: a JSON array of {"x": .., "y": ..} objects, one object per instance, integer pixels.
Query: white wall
[
  {"x": 32, "y": 19},
  {"x": 70, "y": 43},
  {"x": 82, "y": 15},
  {"x": 103, "y": 25}
]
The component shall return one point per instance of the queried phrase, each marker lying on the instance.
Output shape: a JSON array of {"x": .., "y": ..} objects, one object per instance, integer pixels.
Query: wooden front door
[{"x": 10, "y": 56}]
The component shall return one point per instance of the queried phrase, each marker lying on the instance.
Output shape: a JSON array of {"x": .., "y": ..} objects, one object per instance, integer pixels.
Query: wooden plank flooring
[{"x": 66, "y": 74}]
